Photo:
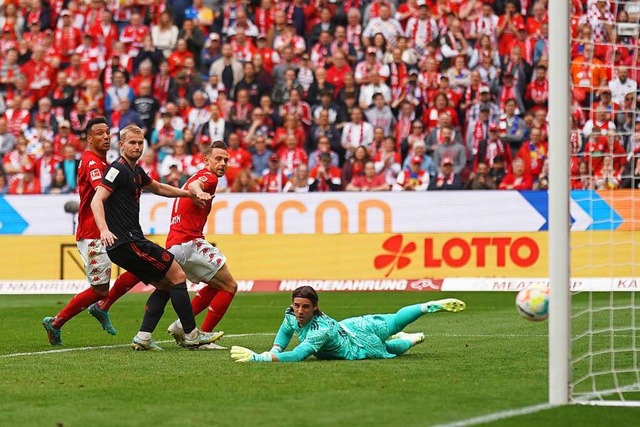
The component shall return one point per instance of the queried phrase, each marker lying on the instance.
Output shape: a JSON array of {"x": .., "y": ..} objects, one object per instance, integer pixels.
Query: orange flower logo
[{"x": 396, "y": 254}]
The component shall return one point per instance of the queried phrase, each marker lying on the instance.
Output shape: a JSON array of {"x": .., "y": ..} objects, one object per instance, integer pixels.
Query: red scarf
[
  {"x": 242, "y": 112},
  {"x": 478, "y": 135},
  {"x": 351, "y": 130},
  {"x": 506, "y": 94}
]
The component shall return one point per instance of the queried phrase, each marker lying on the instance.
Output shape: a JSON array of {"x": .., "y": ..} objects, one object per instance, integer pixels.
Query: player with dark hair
[
  {"x": 94, "y": 255},
  {"x": 116, "y": 209},
  {"x": 201, "y": 261},
  {"x": 374, "y": 336}
]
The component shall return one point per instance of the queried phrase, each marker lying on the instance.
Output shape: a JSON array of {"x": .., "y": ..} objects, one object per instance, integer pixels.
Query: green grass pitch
[{"x": 477, "y": 362}]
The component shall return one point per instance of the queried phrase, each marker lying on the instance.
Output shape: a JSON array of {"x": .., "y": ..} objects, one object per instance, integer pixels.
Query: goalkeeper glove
[{"x": 241, "y": 354}]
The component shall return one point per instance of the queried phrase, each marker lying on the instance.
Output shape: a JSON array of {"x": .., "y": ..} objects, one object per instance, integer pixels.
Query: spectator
[
  {"x": 622, "y": 85},
  {"x": 260, "y": 156},
  {"x": 239, "y": 158},
  {"x": 480, "y": 179},
  {"x": 356, "y": 133},
  {"x": 46, "y": 166},
  {"x": 228, "y": 68},
  {"x": 491, "y": 148},
  {"x": 414, "y": 179},
  {"x": 325, "y": 176},
  {"x": 58, "y": 184},
  {"x": 178, "y": 158},
  {"x": 419, "y": 150},
  {"x": 4, "y": 187},
  {"x": 273, "y": 180},
  {"x": 384, "y": 24},
  {"x": 120, "y": 90},
  {"x": 300, "y": 182},
  {"x": 26, "y": 183},
  {"x": 446, "y": 178},
  {"x": 244, "y": 183},
  {"x": 380, "y": 114},
  {"x": 369, "y": 180},
  {"x": 7, "y": 140},
  {"x": 387, "y": 161},
  {"x": 69, "y": 165},
  {"x": 511, "y": 126},
  {"x": 149, "y": 163},
  {"x": 451, "y": 150},
  {"x": 291, "y": 155},
  {"x": 518, "y": 179}
]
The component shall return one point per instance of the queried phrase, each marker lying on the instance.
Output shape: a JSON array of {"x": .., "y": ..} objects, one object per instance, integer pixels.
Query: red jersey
[
  {"x": 187, "y": 219},
  {"x": 238, "y": 159},
  {"x": 90, "y": 173}
]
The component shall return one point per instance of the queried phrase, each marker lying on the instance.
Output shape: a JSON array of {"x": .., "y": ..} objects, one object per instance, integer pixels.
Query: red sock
[
  {"x": 202, "y": 299},
  {"x": 122, "y": 285},
  {"x": 78, "y": 303},
  {"x": 217, "y": 309}
]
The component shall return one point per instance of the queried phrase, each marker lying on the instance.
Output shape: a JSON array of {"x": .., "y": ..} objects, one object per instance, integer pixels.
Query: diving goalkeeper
[{"x": 375, "y": 336}]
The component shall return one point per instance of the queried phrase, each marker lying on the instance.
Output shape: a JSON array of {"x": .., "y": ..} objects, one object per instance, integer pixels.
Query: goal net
[{"x": 605, "y": 178}]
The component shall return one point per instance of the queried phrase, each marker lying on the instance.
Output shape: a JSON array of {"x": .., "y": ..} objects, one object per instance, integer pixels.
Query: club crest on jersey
[
  {"x": 112, "y": 174},
  {"x": 165, "y": 257},
  {"x": 95, "y": 174}
]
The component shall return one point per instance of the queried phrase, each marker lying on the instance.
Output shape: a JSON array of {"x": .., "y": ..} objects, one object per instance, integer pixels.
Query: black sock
[
  {"x": 182, "y": 305},
  {"x": 154, "y": 309}
]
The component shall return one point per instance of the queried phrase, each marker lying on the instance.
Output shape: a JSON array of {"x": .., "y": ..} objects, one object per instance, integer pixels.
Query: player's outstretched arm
[
  {"x": 169, "y": 191},
  {"x": 97, "y": 207},
  {"x": 283, "y": 337}
]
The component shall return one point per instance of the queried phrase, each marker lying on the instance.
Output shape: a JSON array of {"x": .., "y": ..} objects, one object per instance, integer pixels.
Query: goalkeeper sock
[
  {"x": 122, "y": 285},
  {"x": 202, "y": 299},
  {"x": 217, "y": 310},
  {"x": 182, "y": 306},
  {"x": 407, "y": 315},
  {"x": 398, "y": 346},
  {"x": 153, "y": 311},
  {"x": 77, "y": 304}
]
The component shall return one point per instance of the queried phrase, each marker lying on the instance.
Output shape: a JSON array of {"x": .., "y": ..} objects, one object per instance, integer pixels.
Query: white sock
[
  {"x": 144, "y": 336},
  {"x": 425, "y": 307},
  {"x": 191, "y": 335}
]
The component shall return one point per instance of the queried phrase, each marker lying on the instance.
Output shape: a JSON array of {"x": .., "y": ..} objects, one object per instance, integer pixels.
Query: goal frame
[{"x": 559, "y": 197}]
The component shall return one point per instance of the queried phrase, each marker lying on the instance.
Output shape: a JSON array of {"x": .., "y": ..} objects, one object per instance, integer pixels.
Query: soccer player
[
  {"x": 116, "y": 209},
  {"x": 376, "y": 336},
  {"x": 94, "y": 256},
  {"x": 201, "y": 261}
]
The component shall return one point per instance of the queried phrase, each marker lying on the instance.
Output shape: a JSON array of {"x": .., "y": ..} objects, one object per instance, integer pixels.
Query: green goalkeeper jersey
[{"x": 325, "y": 338}]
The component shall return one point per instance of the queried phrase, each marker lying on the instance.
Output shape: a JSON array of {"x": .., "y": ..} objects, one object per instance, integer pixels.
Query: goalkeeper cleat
[
  {"x": 416, "y": 338},
  {"x": 449, "y": 304},
  {"x": 175, "y": 330},
  {"x": 140, "y": 345},
  {"x": 211, "y": 346},
  {"x": 53, "y": 334},
  {"x": 201, "y": 338},
  {"x": 102, "y": 317}
]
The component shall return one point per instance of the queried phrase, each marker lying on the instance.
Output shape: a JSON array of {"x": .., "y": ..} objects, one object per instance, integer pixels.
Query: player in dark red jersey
[
  {"x": 96, "y": 262},
  {"x": 200, "y": 260},
  {"x": 116, "y": 209}
]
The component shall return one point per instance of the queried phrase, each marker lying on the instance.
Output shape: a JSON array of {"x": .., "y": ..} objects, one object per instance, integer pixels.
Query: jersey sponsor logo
[
  {"x": 95, "y": 174},
  {"x": 112, "y": 174},
  {"x": 203, "y": 178}
]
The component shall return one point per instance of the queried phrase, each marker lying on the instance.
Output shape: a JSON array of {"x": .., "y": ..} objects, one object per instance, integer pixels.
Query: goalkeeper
[{"x": 375, "y": 336}]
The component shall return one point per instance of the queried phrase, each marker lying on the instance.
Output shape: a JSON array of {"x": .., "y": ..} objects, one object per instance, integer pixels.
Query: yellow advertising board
[{"x": 356, "y": 256}]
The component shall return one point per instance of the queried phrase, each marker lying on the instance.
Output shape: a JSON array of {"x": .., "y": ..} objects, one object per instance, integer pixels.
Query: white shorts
[
  {"x": 97, "y": 264},
  {"x": 199, "y": 259}
]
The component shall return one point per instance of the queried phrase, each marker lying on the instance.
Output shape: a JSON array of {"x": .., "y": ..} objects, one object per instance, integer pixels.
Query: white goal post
[
  {"x": 594, "y": 337},
  {"x": 559, "y": 217}
]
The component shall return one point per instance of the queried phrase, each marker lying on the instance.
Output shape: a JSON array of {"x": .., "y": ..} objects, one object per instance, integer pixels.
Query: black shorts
[{"x": 145, "y": 259}]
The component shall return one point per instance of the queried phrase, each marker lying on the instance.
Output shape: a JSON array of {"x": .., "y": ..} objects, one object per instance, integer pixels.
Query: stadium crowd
[{"x": 318, "y": 95}]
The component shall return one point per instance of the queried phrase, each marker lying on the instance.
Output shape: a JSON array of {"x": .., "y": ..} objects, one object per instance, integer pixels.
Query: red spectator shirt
[
  {"x": 290, "y": 159},
  {"x": 238, "y": 159},
  {"x": 133, "y": 38},
  {"x": 67, "y": 40},
  {"x": 525, "y": 182},
  {"x": 273, "y": 182},
  {"x": 187, "y": 219},
  {"x": 507, "y": 37},
  {"x": 533, "y": 156},
  {"x": 363, "y": 182},
  {"x": 90, "y": 172},
  {"x": 19, "y": 186}
]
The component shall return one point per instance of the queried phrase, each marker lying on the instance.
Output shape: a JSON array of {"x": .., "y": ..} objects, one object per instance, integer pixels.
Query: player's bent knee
[{"x": 232, "y": 286}]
